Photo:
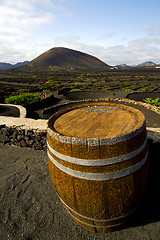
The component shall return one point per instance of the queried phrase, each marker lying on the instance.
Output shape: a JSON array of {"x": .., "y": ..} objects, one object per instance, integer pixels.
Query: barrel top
[{"x": 97, "y": 120}]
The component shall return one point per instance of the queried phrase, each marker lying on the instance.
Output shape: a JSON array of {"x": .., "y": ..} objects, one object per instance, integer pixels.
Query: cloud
[
  {"x": 136, "y": 51},
  {"x": 21, "y": 22},
  {"x": 154, "y": 29},
  {"x": 106, "y": 36},
  {"x": 28, "y": 28},
  {"x": 22, "y": 16}
]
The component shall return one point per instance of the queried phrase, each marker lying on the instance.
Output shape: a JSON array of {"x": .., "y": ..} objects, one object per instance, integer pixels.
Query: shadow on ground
[{"x": 149, "y": 210}]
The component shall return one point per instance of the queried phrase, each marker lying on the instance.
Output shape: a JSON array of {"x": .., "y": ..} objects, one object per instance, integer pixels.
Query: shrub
[
  {"x": 22, "y": 98},
  {"x": 126, "y": 90},
  {"x": 75, "y": 90},
  {"x": 21, "y": 91},
  {"x": 151, "y": 101}
]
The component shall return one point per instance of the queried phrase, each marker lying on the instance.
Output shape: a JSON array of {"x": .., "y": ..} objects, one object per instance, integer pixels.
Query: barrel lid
[{"x": 97, "y": 120}]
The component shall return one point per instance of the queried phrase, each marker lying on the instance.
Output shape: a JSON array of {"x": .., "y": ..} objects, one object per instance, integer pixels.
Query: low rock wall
[
  {"x": 38, "y": 139},
  {"x": 23, "y": 138}
]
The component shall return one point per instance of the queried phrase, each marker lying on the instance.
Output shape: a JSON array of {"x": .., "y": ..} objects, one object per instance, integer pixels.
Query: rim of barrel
[{"x": 95, "y": 141}]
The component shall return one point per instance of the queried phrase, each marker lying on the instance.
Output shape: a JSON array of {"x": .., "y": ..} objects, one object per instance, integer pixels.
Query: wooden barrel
[{"x": 98, "y": 162}]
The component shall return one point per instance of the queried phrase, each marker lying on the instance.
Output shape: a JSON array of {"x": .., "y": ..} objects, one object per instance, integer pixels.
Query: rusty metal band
[
  {"x": 95, "y": 226},
  {"x": 99, "y": 176},
  {"x": 97, "y": 162},
  {"x": 95, "y": 219},
  {"x": 95, "y": 141}
]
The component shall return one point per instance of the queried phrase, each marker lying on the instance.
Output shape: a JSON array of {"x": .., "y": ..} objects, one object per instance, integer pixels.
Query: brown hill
[{"x": 64, "y": 58}]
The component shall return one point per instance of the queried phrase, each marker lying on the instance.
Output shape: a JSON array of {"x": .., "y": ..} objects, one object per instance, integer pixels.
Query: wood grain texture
[
  {"x": 96, "y": 122},
  {"x": 98, "y": 205}
]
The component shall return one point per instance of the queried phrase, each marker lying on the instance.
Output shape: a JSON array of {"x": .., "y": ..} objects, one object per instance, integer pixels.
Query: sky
[{"x": 115, "y": 31}]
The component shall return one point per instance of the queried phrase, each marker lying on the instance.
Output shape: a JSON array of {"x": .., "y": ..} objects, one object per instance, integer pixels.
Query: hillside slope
[{"x": 60, "y": 57}]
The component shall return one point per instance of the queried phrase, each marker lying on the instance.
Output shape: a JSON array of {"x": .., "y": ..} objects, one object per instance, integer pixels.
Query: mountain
[
  {"x": 19, "y": 64},
  {"x": 64, "y": 58},
  {"x": 122, "y": 66},
  {"x": 146, "y": 64},
  {"x": 5, "y": 66}
]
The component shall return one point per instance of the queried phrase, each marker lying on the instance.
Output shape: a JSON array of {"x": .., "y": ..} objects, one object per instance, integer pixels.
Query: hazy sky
[{"x": 116, "y": 31}]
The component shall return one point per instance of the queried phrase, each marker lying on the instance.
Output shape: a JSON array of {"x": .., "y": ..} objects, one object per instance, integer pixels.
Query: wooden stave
[
  {"x": 131, "y": 202},
  {"x": 141, "y": 134}
]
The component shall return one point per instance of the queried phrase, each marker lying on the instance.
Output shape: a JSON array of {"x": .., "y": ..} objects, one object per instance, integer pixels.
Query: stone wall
[
  {"x": 23, "y": 138},
  {"x": 38, "y": 139}
]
